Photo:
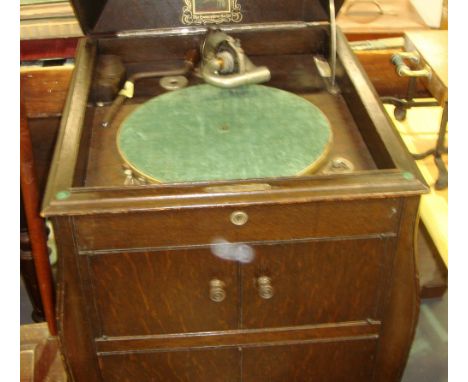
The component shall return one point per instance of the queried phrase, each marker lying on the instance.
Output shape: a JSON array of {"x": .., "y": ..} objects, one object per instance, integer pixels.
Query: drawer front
[
  {"x": 221, "y": 365},
  {"x": 314, "y": 283},
  {"x": 325, "y": 361},
  {"x": 322, "y": 353},
  {"x": 163, "y": 292},
  {"x": 264, "y": 222}
]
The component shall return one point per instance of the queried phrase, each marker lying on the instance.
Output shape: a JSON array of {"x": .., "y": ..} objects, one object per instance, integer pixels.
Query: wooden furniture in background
[
  {"x": 47, "y": 49},
  {"x": 433, "y": 49},
  {"x": 377, "y": 64},
  {"x": 432, "y": 45},
  {"x": 44, "y": 90},
  {"x": 47, "y": 19},
  {"x": 363, "y": 20},
  {"x": 36, "y": 226}
]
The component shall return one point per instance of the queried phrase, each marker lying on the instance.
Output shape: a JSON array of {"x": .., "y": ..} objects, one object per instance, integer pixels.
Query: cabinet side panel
[
  {"x": 402, "y": 310},
  {"x": 73, "y": 324}
]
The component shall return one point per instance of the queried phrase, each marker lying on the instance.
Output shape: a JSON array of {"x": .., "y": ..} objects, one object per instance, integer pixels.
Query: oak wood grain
[
  {"x": 315, "y": 282},
  {"x": 205, "y": 225},
  {"x": 195, "y": 365},
  {"x": 45, "y": 90},
  {"x": 240, "y": 337},
  {"x": 347, "y": 360},
  {"x": 403, "y": 300},
  {"x": 163, "y": 292}
]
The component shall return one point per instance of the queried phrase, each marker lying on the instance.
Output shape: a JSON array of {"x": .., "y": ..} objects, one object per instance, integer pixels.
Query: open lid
[{"x": 108, "y": 17}]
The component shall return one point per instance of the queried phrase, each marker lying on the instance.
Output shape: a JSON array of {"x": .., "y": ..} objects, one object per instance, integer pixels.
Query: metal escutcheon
[
  {"x": 217, "y": 292},
  {"x": 265, "y": 290},
  {"x": 239, "y": 218}
]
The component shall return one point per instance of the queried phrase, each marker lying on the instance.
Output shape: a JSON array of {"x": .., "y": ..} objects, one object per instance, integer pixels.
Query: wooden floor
[{"x": 40, "y": 359}]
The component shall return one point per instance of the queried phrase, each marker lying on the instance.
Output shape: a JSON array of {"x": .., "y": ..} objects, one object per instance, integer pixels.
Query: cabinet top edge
[{"x": 367, "y": 185}]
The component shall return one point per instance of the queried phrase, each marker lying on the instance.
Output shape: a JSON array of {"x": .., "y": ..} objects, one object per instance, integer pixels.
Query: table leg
[
  {"x": 442, "y": 180},
  {"x": 36, "y": 225}
]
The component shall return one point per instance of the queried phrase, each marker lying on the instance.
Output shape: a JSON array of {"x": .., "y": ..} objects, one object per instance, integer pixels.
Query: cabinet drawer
[
  {"x": 163, "y": 292},
  {"x": 220, "y": 365},
  {"x": 324, "y": 361},
  {"x": 264, "y": 222},
  {"x": 327, "y": 359},
  {"x": 315, "y": 282}
]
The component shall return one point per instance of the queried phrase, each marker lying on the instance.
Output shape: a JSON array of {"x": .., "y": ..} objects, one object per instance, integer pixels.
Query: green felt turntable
[{"x": 205, "y": 132}]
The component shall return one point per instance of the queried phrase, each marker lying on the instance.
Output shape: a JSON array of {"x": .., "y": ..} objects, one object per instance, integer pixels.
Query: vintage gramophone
[{"x": 229, "y": 199}]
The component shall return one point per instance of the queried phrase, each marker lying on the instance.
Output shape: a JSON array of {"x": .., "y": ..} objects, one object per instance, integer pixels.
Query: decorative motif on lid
[{"x": 202, "y": 12}]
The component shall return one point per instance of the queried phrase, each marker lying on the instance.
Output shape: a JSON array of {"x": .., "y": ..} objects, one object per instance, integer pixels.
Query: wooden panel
[
  {"x": 45, "y": 90},
  {"x": 378, "y": 67},
  {"x": 433, "y": 48},
  {"x": 163, "y": 292},
  {"x": 315, "y": 282},
  {"x": 43, "y": 135},
  {"x": 236, "y": 338},
  {"x": 190, "y": 366},
  {"x": 359, "y": 17},
  {"x": 118, "y": 16},
  {"x": 402, "y": 310},
  {"x": 75, "y": 333},
  {"x": 267, "y": 222},
  {"x": 304, "y": 40},
  {"x": 47, "y": 48},
  {"x": 383, "y": 141},
  {"x": 346, "y": 360},
  {"x": 66, "y": 150}
]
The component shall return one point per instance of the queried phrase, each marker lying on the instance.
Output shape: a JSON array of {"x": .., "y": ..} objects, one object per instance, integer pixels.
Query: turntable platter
[{"x": 204, "y": 133}]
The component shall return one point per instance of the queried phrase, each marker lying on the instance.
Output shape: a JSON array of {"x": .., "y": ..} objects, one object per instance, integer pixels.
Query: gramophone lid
[{"x": 109, "y": 17}]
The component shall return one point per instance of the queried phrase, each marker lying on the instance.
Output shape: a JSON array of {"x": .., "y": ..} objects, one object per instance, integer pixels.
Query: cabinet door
[
  {"x": 337, "y": 361},
  {"x": 314, "y": 282},
  {"x": 163, "y": 292}
]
